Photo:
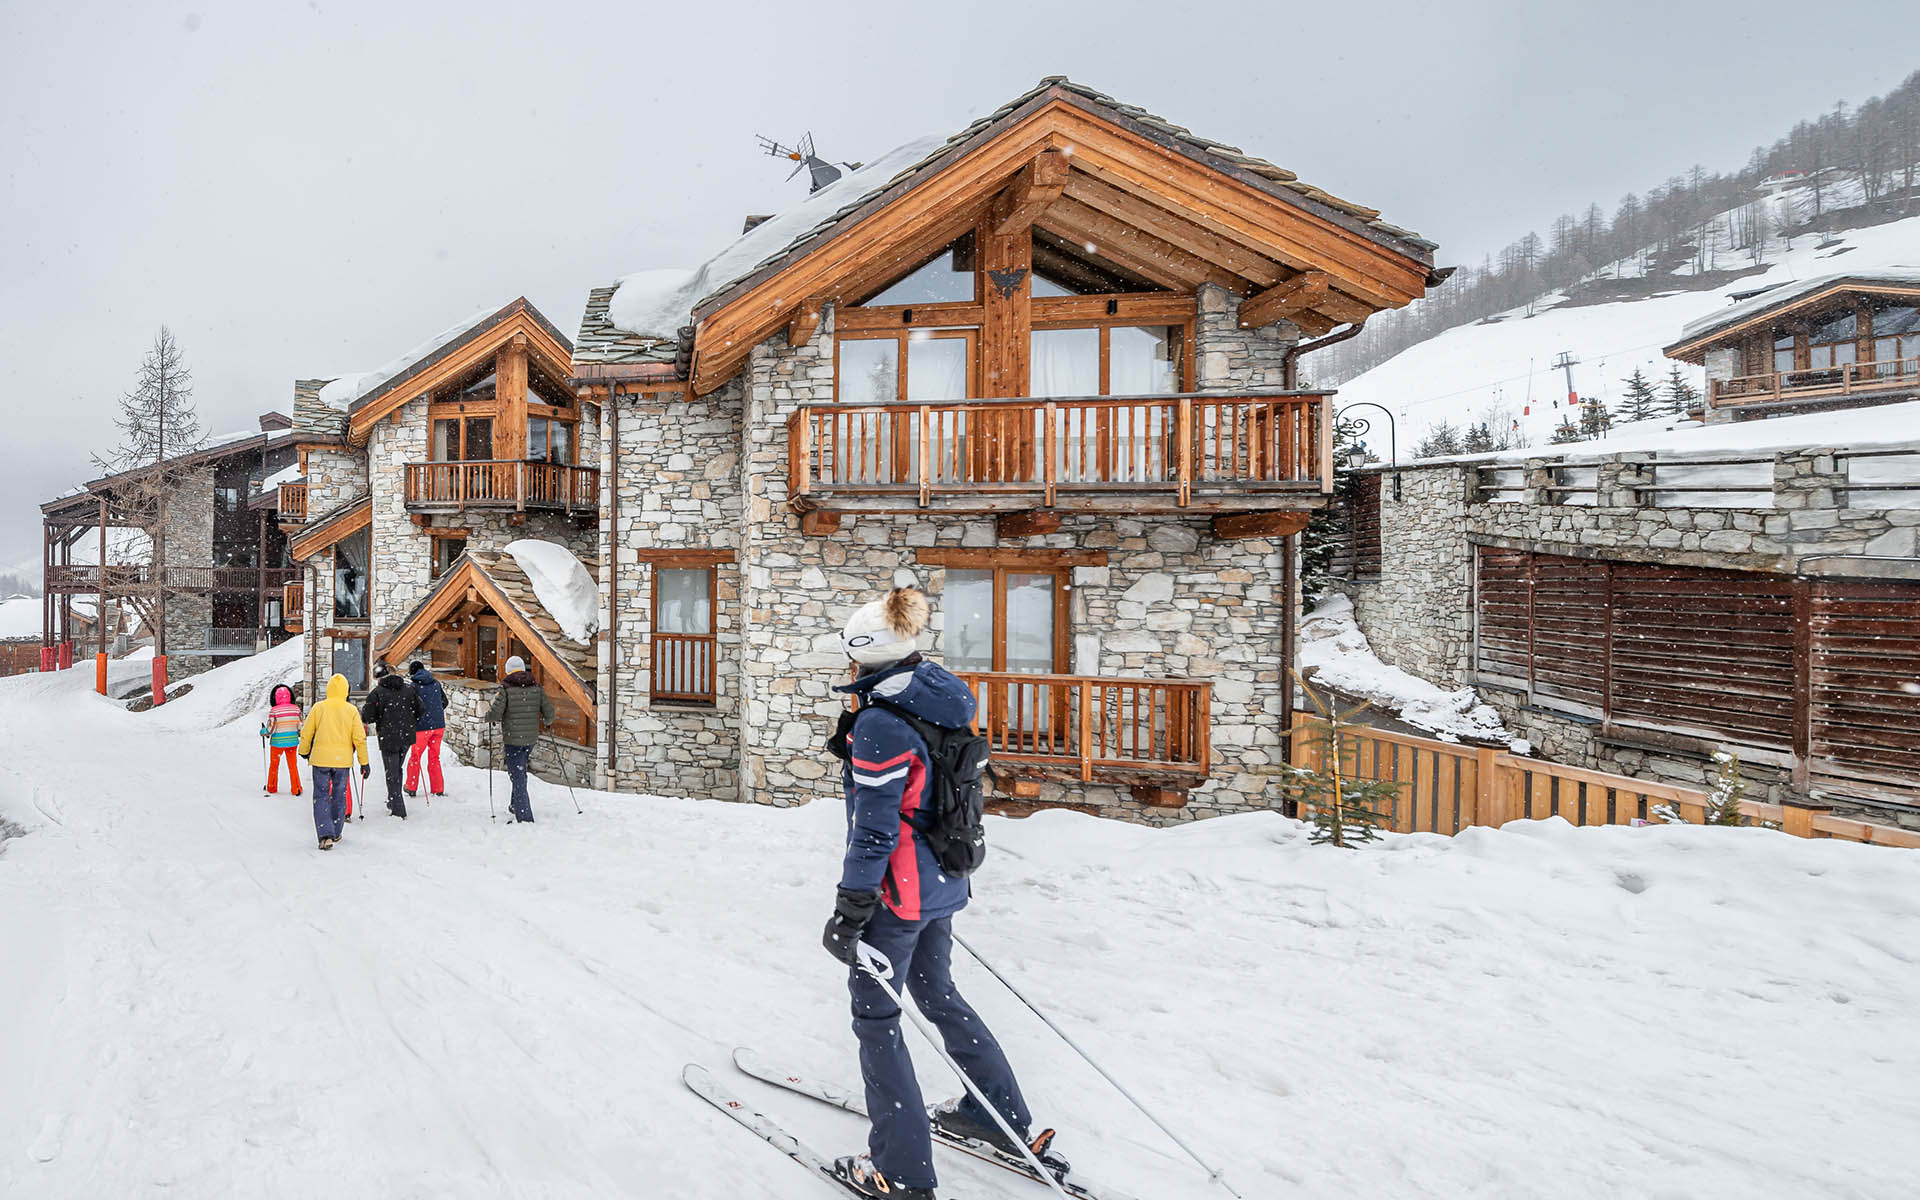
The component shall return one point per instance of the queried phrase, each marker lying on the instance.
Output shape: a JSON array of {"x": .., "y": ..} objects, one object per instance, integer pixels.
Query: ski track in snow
[{"x": 198, "y": 1003}]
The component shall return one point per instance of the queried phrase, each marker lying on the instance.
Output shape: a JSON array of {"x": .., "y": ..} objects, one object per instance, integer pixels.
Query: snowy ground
[
  {"x": 1333, "y": 647},
  {"x": 198, "y": 1003}
]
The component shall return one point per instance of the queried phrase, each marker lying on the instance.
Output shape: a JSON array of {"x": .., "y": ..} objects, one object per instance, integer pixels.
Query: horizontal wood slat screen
[
  {"x": 1445, "y": 787},
  {"x": 1356, "y": 508},
  {"x": 1866, "y": 679}
]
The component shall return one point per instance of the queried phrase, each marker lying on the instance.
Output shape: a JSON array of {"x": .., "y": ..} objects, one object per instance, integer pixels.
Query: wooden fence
[{"x": 1445, "y": 787}]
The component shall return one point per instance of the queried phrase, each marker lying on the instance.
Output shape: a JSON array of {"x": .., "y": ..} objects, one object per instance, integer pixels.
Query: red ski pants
[
  {"x": 293, "y": 769},
  {"x": 426, "y": 744}
]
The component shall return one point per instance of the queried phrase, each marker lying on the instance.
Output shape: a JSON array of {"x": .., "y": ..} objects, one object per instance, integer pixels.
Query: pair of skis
[{"x": 703, "y": 1084}]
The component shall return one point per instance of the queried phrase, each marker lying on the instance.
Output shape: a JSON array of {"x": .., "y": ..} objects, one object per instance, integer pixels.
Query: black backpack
[{"x": 953, "y": 821}]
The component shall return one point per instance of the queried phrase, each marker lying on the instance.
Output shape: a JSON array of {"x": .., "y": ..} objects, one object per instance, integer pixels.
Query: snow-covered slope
[
  {"x": 198, "y": 1003},
  {"x": 1506, "y": 363}
]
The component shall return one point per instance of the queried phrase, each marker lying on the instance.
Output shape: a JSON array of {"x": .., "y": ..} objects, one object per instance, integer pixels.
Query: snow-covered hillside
[
  {"x": 197, "y": 1003},
  {"x": 1505, "y": 363}
]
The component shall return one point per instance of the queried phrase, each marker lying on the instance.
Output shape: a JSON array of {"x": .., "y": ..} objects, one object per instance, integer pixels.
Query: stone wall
[
  {"x": 555, "y": 760},
  {"x": 678, "y": 486},
  {"x": 1419, "y": 614},
  {"x": 189, "y": 543},
  {"x": 1228, "y": 358},
  {"x": 335, "y": 476},
  {"x": 402, "y": 552}
]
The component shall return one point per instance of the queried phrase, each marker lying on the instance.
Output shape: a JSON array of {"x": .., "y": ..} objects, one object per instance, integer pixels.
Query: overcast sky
[{"x": 310, "y": 188}]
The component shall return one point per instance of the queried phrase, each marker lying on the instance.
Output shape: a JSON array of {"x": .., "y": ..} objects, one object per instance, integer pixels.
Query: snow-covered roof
[
  {"x": 20, "y": 617},
  {"x": 287, "y": 474},
  {"x": 1785, "y": 294},
  {"x": 639, "y": 319},
  {"x": 343, "y": 392},
  {"x": 565, "y": 589}
]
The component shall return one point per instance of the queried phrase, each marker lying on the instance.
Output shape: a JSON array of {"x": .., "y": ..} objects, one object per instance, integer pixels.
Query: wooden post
[
  {"x": 510, "y": 390},
  {"x": 1183, "y": 430},
  {"x": 926, "y": 456},
  {"x": 1324, "y": 434},
  {"x": 100, "y": 661},
  {"x": 1797, "y": 815},
  {"x": 1086, "y": 729},
  {"x": 1006, "y": 265},
  {"x": 1487, "y": 792},
  {"x": 1050, "y": 414}
]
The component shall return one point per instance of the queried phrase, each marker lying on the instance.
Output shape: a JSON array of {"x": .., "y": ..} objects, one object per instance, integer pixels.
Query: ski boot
[
  {"x": 948, "y": 1119},
  {"x": 859, "y": 1173}
]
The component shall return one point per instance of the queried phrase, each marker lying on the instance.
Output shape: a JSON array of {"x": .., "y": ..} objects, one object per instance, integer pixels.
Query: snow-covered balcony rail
[
  {"x": 1722, "y": 482},
  {"x": 1844, "y": 379},
  {"x": 1089, "y": 727},
  {"x": 1881, "y": 478},
  {"x": 292, "y": 504},
  {"x": 1196, "y": 452},
  {"x": 505, "y": 484}
]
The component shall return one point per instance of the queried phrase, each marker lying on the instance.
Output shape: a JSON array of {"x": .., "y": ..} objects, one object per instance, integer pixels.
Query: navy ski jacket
[
  {"x": 433, "y": 700},
  {"x": 886, "y": 777}
]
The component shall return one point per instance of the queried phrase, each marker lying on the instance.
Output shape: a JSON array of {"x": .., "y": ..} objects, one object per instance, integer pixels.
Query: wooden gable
[
  {"x": 1084, "y": 174},
  {"x": 322, "y": 534},
  {"x": 519, "y": 324}
]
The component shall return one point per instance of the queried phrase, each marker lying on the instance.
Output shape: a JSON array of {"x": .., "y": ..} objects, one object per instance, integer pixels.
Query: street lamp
[{"x": 1357, "y": 454}]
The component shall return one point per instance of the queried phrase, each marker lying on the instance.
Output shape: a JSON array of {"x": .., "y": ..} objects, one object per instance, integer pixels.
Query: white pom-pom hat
[{"x": 886, "y": 630}]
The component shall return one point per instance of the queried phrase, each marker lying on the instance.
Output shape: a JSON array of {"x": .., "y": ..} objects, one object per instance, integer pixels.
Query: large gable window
[{"x": 946, "y": 278}]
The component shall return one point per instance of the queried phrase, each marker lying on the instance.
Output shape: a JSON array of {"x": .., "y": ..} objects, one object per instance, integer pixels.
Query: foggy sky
[{"x": 305, "y": 189}]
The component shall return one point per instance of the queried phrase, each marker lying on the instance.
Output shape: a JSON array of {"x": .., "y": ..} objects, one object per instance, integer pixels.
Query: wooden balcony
[
  {"x": 1875, "y": 380},
  {"x": 135, "y": 578},
  {"x": 1083, "y": 728},
  {"x": 292, "y": 504},
  {"x": 1201, "y": 453},
  {"x": 516, "y": 486},
  {"x": 293, "y": 606}
]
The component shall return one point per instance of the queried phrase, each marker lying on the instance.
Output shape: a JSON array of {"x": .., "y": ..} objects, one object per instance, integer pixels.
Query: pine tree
[
  {"x": 1682, "y": 396},
  {"x": 1566, "y": 432},
  {"x": 1641, "y": 402},
  {"x": 1344, "y": 809},
  {"x": 1726, "y": 791},
  {"x": 158, "y": 425},
  {"x": 1327, "y": 527},
  {"x": 1441, "y": 440},
  {"x": 1479, "y": 439}
]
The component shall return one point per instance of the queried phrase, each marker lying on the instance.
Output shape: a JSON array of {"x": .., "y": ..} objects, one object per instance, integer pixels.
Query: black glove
[
  {"x": 852, "y": 911},
  {"x": 366, "y": 769}
]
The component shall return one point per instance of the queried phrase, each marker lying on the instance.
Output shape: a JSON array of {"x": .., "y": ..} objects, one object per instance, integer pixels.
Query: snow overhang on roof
[
  {"x": 643, "y": 319},
  {"x": 1786, "y": 296}
]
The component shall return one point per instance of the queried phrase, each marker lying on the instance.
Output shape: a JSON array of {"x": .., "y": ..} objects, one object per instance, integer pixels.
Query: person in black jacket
[{"x": 392, "y": 709}]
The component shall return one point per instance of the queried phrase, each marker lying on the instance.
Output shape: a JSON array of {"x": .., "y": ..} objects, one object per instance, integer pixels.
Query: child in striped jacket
[{"x": 282, "y": 729}]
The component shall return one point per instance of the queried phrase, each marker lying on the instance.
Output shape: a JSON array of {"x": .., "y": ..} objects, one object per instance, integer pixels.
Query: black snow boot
[
  {"x": 858, "y": 1171},
  {"x": 948, "y": 1119}
]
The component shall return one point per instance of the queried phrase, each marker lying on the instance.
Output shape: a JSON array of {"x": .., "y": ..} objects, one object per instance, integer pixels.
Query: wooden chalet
[
  {"x": 1835, "y": 341},
  {"x": 1049, "y": 367}
]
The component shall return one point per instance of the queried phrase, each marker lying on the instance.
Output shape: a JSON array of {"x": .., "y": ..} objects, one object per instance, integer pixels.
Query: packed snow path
[{"x": 196, "y": 1002}]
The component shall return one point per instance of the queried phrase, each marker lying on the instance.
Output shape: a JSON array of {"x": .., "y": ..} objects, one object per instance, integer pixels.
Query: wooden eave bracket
[
  {"x": 1279, "y": 523},
  {"x": 1033, "y": 191},
  {"x": 1304, "y": 291},
  {"x": 1032, "y": 523},
  {"x": 806, "y": 321}
]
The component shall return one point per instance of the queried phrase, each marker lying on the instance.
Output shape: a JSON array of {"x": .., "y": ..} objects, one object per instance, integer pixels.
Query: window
[
  {"x": 1833, "y": 343},
  {"x": 446, "y": 552},
  {"x": 948, "y": 277},
  {"x": 1783, "y": 343},
  {"x": 549, "y": 440},
  {"x": 683, "y": 638},
  {"x": 350, "y": 659},
  {"x": 486, "y": 642},
  {"x": 350, "y": 577},
  {"x": 1896, "y": 342},
  {"x": 463, "y": 439},
  {"x": 1110, "y": 360},
  {"x": 228, "y": 498},
  {"x": 1006, "y": 619},
  {"x": 270, "y": 612},
  {"x": 923, "y": 365}
]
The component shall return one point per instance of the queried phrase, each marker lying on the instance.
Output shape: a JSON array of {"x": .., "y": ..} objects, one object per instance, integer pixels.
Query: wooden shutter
[
  {"x": 1570, "y": 628},
  {"x": 1501, "y": 614},
  {"x": 1865, "y": 649},
  {"x": 1365, "y": 519},
  {"x": 1705, "y": 649}
]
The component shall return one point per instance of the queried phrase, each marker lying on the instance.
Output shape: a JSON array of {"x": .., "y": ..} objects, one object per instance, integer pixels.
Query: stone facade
[
  {"x": 1419, "y": 614},
  {"x": 189, "y": 543},
  {"x": 1228, "y": 358},
  {"x": 470, "y": 737}
]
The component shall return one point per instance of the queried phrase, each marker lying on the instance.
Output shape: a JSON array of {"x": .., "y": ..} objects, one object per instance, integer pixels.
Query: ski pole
[
  {"x": 490, "y": 813},
  {"x": 266, "y": 763},
  {"x": 564, "y": 778},
  {"x": 877, "y": 966},
  {"x": 1213, "y": 1173}
]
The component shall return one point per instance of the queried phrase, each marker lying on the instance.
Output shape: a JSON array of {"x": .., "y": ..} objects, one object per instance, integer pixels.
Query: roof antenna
[{"x": 821, "y": 171}]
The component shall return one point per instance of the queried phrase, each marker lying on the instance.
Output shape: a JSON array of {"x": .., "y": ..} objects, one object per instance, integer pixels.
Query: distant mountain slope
[{"x": 1503, "y": 366}]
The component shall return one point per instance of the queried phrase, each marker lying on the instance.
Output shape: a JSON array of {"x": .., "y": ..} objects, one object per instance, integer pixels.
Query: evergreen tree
[
  {"x": 1682, "y": 396},
  {"x": 158, "y": 425},
  {"x": 1479, "y": 440},
  {"x": 1344, "y": 809},
  {"x": 1726, "y": 791},
  {"x": 1641, "y": 402},
  {"x": 1566, "y": 432},
  {"x": 1441, "y": 440},
  {"x": 1327, "y": 526}
]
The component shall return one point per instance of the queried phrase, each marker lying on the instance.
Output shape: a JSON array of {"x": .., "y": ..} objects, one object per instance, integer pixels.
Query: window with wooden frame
[
  {"x": 1833, "y": 342},
  {"x": 1007, "y": 618},
  {"x": 924, "y": 365},
  {"x": 349, "y": 657},
  {"x": 1896, "y": 341},
  {"x": 684, "y": 650},
  {"x": 447, "y": 549}
]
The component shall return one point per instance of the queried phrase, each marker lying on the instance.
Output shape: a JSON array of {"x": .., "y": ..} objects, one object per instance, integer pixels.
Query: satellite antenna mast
[{"x": 821, "y": 172}]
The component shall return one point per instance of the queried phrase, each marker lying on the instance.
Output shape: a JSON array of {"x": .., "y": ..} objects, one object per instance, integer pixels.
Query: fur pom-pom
[{"x": 907, "y": 611}]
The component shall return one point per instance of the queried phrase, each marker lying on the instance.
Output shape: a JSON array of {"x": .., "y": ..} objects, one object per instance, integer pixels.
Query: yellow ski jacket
[{"x": 333, "y": 733}]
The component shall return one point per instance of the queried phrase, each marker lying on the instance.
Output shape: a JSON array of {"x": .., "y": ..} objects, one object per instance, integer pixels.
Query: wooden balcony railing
[
  {"x": 292, "y": 504},
  {"x": 1891, "y": 375},
  {"x": 124, "y": 578},
  {"x": 518, "y": 485},
  {"x": 1056, "y": 449},
  {"x": 1095, "y": 726},
  {"x": 683, "y": 667},
  {"x": 293, "y": 606}
]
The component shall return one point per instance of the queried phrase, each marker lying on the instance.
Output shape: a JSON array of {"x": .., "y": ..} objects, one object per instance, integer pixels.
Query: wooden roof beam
[
  {"x": 1304, "y": 291},
  {"x": 1142, "y": 213},
  {"x": 1032, "y": 191},
  {"x": 1133, "y": 251}
]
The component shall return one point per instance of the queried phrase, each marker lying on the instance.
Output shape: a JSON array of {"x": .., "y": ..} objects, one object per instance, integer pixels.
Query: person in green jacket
[{"x": 520, "y": 708}]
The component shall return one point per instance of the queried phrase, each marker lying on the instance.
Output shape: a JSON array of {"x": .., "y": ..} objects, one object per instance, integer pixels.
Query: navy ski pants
[
  {"x": 922, "y": 954},
  {"x": 521, "y": 805},
  {"x": 330, "y": 786}
]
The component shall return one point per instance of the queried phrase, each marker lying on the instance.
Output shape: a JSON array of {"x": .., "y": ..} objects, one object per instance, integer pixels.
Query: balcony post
[
  {"x": 926, "y": 456},
  {"x": 1183, "y": 430},
  {"x": 1324, "y": 435},
  {"x": 801, "y": 468},
  {"x": 1050, "y": 441},
  {"x": 520, "y": 485},
  {"x": 1086, "y": 730}
]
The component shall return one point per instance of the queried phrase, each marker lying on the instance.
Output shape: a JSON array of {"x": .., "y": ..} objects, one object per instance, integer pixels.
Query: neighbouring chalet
[
  {"x": 1835, "y": 341},
  {"x": 226, "y": 559},
  {"x": 1752, "y": 588},
  {"x": 411, "y": 482},
  {"x": 1048, "y": 368}
]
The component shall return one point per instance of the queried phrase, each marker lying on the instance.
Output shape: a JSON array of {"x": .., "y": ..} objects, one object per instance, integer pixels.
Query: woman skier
[{"x": 520, "y": 708}]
